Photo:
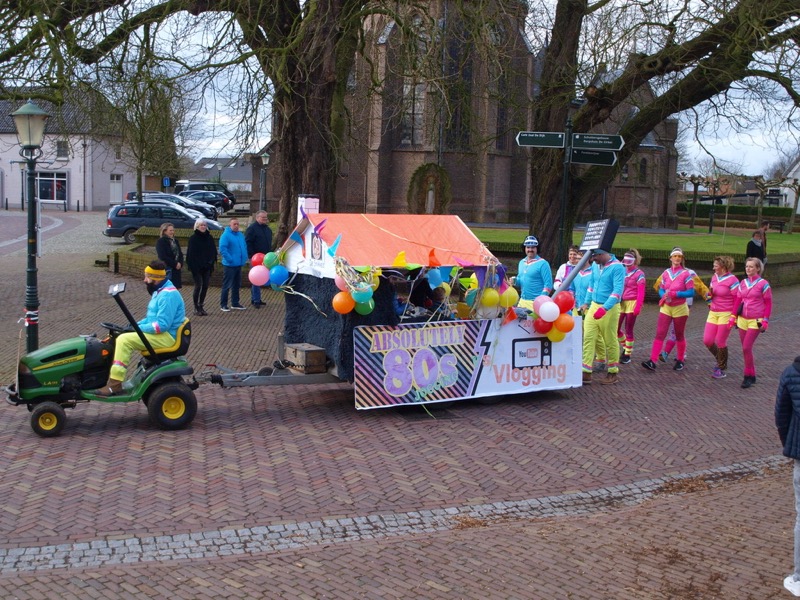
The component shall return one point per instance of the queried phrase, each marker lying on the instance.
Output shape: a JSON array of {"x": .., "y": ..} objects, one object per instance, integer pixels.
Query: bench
[
  {"x": 776, "y": 225},
  {"x": 62, "y": 203}
]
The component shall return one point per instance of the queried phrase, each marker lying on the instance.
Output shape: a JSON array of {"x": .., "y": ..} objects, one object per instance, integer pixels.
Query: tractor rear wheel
[
  {"x": 171, "y": 405},
  {"x": 47, "y": 419}
]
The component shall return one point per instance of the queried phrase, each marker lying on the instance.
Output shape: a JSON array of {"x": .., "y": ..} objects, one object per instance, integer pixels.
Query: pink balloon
[
  {"x": 258, "y": 275},
  {"x": 538, "y": 301},
  {"x": 340, "y": 283}
]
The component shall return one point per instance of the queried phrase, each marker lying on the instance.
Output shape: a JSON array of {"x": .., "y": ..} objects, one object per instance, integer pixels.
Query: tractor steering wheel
[{"x": 113, "y": 328}]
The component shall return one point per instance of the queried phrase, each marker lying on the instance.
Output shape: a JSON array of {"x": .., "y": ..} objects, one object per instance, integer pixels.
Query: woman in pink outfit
[
  {"x": 722, "y": 295},
  {"x": 753, "y": 306},
  {"x": 677, "y": 284},
  {"x": 631, "y": 304}
]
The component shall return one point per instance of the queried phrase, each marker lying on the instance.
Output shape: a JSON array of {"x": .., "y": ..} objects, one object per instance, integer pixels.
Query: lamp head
[{"x": 30, "y": 121}]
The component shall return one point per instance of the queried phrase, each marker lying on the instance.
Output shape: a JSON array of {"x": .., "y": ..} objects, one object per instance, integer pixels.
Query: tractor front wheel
[
  {"x": 171, "y": 406},
  {"x": 47, "y": 419}
]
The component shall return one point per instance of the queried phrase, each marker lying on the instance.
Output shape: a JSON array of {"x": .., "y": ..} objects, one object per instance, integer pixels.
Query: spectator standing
[
  {"x": 756, "y": 248},
  {"x": 751, "y": 314},
  {"x": 602, "y": 317},
  {"x": 169, "y": 252},
  {"x": 677, "y": 285},
  {"x": 201, "y": 256},
  {"x": 258, "y": 238},
  {"x": 722, "y": 296},
  {"x": 534, "y": 277},
  {"x": 632, "y": 302},
  {"x": 787, "y": 421},
  {"x": 233, "y": 250}
]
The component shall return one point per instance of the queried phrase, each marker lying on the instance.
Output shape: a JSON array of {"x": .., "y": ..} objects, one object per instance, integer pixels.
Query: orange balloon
[
  {"x": 564, "y": 323},
  {"x": 343, "y": 303}
]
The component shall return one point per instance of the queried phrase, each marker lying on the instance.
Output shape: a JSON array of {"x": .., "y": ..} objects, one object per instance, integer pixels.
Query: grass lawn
[{"x": 721, "y": 241}]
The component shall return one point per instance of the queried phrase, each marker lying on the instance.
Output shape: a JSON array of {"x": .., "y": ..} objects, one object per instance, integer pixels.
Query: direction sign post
[
  {"x": 594, "y": 157},
  {"x": 596, "y": 141},
  {"x": 541, "y": 139}
]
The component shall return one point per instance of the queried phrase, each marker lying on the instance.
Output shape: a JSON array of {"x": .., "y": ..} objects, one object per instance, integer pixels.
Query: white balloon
[{"x": 549, "y": 311}]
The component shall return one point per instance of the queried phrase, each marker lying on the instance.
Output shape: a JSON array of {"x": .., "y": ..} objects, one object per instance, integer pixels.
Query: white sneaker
[{"x": 793, "y": 586}]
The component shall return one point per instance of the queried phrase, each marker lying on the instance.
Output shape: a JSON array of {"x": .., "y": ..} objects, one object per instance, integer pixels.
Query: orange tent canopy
[{"x": 377, "y": 239}]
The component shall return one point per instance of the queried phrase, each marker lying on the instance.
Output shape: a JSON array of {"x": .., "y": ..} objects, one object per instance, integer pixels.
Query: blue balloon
[{"x": 278, "y": 275}]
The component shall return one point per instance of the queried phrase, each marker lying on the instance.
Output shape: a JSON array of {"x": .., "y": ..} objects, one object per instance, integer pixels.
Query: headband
[{"x": 155, "y": 274}]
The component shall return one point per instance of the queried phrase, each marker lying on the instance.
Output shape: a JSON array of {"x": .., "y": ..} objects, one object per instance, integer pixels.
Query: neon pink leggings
[
  {"x": 748, "y": 337},
  {"x": 716, "y": 335},
  {"x": 661, "y": 332},
  {"x": 626, "y": 323}
]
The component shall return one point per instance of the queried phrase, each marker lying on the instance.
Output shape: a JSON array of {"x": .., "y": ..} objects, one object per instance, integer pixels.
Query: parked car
[
  {"x": 124, "y": 219},
  {"x": 207, "y": 210},
  {"x": 218, "y": 199},
  {"x": 185, "y": 185}
]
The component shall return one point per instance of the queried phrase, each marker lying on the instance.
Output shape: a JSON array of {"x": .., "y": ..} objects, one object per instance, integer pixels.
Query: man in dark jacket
[
  {"x": 259, "y": 239},
  {"x": 787, "y": 420}
]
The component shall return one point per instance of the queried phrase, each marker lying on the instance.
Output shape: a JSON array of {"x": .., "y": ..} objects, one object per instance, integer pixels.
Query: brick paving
[{"x": 288, "y": 492}]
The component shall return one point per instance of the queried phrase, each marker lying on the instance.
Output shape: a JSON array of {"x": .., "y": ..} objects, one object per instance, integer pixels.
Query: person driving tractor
[{"x": 165, "y": 314}]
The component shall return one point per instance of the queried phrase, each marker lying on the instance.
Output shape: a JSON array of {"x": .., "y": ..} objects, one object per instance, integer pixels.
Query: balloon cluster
[
  {"x": 266, "y": 269},
  {"x": 551, "y": 315},
  {"x": 486, "y": 301},
  {"x": 355, "y": 288}
]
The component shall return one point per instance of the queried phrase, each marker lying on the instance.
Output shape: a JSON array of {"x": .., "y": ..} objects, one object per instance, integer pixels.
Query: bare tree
[{"x": 719, "y": 57}]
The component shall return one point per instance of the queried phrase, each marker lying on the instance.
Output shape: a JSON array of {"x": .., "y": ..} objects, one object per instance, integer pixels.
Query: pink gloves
[{"x": 600, "y": 313}]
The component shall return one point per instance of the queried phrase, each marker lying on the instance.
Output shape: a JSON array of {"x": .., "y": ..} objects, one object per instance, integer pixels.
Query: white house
[
  {"x": 788, "y": 193},
  {"x": 80, "y": 165}
]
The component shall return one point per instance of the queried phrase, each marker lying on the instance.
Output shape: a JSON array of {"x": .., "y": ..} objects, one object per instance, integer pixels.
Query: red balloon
[
  {"x": 565, "y": 301},
  {"x": 257, "y": 259},
  {"x": 542, "y": 326}
]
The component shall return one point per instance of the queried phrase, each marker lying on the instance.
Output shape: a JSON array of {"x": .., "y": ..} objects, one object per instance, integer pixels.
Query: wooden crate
[{"x": 306, "y": 357}]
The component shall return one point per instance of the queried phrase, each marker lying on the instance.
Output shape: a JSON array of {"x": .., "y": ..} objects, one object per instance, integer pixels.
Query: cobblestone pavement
[{"x": 667, "y": 485}]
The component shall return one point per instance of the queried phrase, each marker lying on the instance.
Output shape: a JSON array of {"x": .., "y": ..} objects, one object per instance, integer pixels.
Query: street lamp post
[
  {"x": 30, "y": 121},
  {"x": 262, "y": 188}
]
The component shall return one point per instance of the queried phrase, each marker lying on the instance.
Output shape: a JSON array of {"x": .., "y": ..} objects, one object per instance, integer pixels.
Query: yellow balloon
[
  {"x": 554, "y": 335},
  {"x": 446, "y": 287},
  {"x": 490, "y": 297},
  {"x": 509, "y": 297}
]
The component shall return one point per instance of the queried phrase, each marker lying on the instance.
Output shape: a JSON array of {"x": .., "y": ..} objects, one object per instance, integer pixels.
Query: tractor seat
[{"x": 179, "y": 348}]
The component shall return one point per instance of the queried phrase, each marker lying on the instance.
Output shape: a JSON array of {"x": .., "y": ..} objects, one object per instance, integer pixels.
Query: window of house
[
  {"x": 118, "y": 152},
  {"x": 62, "y": 149},
  {"x": 623, "y": 174},
  {"x": 51, "y": 186},
  {"x": 643, "y": 171}
]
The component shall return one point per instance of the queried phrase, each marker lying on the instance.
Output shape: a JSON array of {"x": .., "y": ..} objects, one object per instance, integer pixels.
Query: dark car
[
  {"x": 218, "y": 199},
  {"x": 124, "y": 219},
  {"x": 207, "y": 210},
  {"x": 185, "y": 185}
]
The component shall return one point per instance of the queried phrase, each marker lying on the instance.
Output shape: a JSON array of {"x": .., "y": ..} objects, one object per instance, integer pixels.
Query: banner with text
[{"x": 424, "y": 363}]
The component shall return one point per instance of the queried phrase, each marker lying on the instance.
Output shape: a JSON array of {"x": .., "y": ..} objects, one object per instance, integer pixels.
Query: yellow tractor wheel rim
[
  {"x": 173, "y": 407},
  {"x": 48, "y": 421}
]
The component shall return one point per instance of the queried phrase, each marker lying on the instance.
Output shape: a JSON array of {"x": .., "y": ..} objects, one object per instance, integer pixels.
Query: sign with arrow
[
  {"x": 541, "y": 139},
  {"x": 596, "y": 141},
  {"x": 594, "y": 157}
]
